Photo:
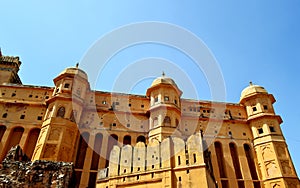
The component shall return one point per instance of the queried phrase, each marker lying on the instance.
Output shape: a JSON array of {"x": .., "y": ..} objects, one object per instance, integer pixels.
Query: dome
[
  {"x": 252, "y": 89},
  {"x": 163, "y": 80},
  {"x": 74, "y": 71}
]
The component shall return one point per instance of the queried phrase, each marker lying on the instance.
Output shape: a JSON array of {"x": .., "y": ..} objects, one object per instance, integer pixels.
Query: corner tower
[
  {"x": 9, "y": 68},
  {"x": 165, "y": 108},
  {"x": 59, "y": 131},
  {"x": 274, "y": 161}
]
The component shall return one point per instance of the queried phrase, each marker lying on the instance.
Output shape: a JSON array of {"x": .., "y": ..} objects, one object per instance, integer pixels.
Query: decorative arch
[
  {"x": 81, "y": 150},
  {"x": 141, "y": 138},
  {"x": 96, "y": 151},
  {"x": 250, "y": 160},
  {"x": 61, "y": 112},
  {"x": 4, "y": 115},
  {"x": 167, "y": 121},
  {"x": 176, "y": 122},
  {"x": 155, "y": 122},
  {"x": 73, "y": 116},
  {"x": 127, "y": 140},
  {"x": 50, "y": 111},
  {"x": 220, "y": 159},
  {"x": 2, "y": 131},
  {"x": 14, "y": 138},
  {"x": 235, "y": 160},
  {"x": 31, "y": 141},
  {"x": 112, "y": 141}
]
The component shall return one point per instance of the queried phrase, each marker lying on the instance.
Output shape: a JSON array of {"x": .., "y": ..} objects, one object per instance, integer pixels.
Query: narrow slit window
[{"x": 195, "y": 158}]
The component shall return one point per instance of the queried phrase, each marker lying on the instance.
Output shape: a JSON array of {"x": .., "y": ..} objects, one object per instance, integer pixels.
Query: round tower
[
  {"x": 274, "y": 162},
  {"x": 59, "y": 130},
  {"x": 165, "y": 108}
]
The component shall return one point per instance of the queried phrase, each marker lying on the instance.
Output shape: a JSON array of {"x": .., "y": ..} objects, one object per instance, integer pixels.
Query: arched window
[
  {"x": 176, "y": 122},
  {"x": 49, "y": 113},
  {"x": 155, "y": 122},
  {"x": 96, "y": 151},
  {"x": 14, "y": 138},
  {"x": 81, "y": 150},
  {"x": 167, "y": 121},
  {"x": 220, "y": 159},
  {"x": 4, "y": 115},
  {"x": 61, "y": 112},
  {"x": 31, "y": 141},
  {"x": 127, "y": 140},
  {"x": 141, "y": 139},
  {"x": 2, "y": 131},
  {"x": 112, "y": 140},
  {"x": 236, "y": 163},
  {"x": 250, "y": 160},
  {"x": 73, "y": 115}
]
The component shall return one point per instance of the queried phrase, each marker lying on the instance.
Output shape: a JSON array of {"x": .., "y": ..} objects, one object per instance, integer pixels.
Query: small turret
[
  {"x": 59, "y": 129},
  {"x": 9, "y": 68},
  {"x": 257, "y": 100},
  {"x": 165, "y": 105},
  {"x": 274, "y": 162}
]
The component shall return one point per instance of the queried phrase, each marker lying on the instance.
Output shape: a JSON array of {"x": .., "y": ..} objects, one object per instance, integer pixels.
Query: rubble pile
[{"x": 18, "y": 171}]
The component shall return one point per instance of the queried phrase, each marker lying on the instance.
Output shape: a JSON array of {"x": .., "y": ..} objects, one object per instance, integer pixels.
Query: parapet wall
[{"x": 172, "y": 152}]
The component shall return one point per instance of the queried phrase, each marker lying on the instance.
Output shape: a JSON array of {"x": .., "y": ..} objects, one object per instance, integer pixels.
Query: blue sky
[{"x": 252, "y": 41}]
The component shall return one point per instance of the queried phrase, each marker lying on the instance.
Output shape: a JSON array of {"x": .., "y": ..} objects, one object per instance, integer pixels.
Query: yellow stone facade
[{"x": 154, "y": 140}]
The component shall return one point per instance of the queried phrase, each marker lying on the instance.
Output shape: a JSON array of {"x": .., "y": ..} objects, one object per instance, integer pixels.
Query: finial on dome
[
  {"x": 163, "y": 74},
  {"x": 77, "y": 65},
  {"x": 250, "y": 83}
]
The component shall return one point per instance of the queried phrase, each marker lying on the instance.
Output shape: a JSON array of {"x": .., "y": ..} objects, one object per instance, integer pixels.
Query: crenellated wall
[{"x": 170, "y": 163}]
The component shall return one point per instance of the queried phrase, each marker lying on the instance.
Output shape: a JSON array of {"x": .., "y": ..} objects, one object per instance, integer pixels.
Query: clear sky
[{"x": 254, "y": 41}]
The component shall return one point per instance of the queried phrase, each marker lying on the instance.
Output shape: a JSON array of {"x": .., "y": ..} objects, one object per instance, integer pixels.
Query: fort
[{"x": 158, "y": 139}]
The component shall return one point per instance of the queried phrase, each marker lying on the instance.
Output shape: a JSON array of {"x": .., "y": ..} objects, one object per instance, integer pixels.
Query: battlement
[
  {"x": 11, "y": 60},
  {"x": 172, "y": 152},
  {"x": 9, "y": 68}
]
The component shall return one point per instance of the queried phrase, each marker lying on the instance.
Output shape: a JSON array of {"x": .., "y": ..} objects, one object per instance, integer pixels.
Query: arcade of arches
[{"x": 72, "y": 123}]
